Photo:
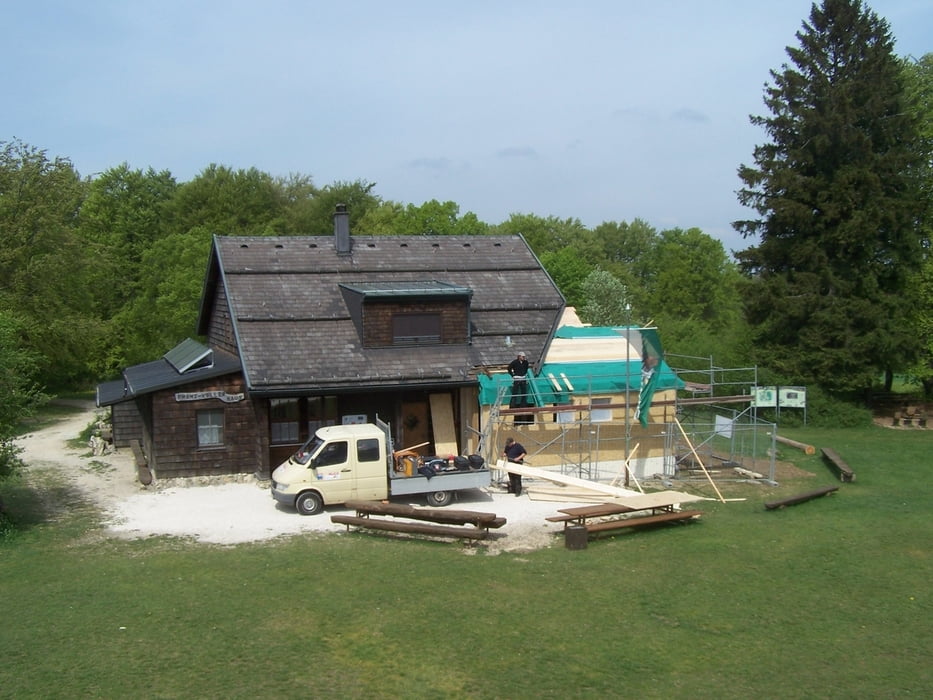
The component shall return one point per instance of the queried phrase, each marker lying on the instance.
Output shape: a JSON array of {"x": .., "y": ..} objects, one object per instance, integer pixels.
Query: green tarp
[{"x": 550, "y": 385}]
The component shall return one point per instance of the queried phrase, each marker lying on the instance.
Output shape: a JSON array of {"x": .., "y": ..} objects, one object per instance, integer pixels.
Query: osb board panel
[
  {"x": 442, "y": 418},
  {"x": 591, "y": 350}
]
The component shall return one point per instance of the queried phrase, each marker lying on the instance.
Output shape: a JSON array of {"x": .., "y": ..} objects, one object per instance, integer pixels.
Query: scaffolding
[{"x": 714, "y": 419}]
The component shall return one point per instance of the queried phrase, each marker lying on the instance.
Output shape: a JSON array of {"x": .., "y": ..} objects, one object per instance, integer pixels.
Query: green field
[{"x": 829, "y": 598}]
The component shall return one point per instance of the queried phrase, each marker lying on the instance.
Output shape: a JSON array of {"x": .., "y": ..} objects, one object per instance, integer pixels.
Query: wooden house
[{"x": 302, "y": 332}]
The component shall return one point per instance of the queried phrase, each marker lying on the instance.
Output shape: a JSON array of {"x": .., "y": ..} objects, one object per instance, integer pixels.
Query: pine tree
[{"x": 836, "y": 191}]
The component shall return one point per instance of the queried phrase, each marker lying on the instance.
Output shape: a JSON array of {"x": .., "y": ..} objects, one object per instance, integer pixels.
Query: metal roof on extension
[{"x": 159, "y": 374}]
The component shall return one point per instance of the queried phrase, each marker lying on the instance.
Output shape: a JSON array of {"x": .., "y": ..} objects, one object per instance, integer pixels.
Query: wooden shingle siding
[
  {"x": 220, "y": 331},
  {"x": 175, "y": 434},
  {"x": 377, "y": 321},
  {"x": 127, "y": 424}
]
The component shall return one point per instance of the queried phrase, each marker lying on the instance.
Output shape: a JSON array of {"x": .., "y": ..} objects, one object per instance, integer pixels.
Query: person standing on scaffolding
[{"x": 518, "y": 370}]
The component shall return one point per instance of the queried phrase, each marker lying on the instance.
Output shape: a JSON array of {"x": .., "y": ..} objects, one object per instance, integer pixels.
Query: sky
[{"x": 598, "y": 110}]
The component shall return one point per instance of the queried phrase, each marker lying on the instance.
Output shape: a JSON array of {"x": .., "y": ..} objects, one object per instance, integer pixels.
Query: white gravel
[{"x": 233, "y": 513}]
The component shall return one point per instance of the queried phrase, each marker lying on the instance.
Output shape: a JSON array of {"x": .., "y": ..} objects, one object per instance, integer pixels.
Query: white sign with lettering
[{"x": 203, "y": 395}]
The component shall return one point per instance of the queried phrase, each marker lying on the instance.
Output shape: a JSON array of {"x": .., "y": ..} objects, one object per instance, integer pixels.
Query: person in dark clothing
[
  {"x": 514, "y": 452},
  {"x": 518, "y": 370}
]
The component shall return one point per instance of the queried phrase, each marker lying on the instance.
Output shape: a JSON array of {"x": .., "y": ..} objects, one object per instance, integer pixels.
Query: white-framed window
[
  {"x": 601, "y": 415},
  {"x": 210, "y": 427}
]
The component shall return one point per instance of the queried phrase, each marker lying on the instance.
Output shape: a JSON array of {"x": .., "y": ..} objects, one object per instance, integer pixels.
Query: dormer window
[
  {"x": 416, "y": 328},
  {"x": 410, "y": 313}
]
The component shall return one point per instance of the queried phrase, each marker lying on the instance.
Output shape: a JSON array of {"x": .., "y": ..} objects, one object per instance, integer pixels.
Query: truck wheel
[
  {"x": 309, "y": 503},
  {"x": 440, "y": 498}
]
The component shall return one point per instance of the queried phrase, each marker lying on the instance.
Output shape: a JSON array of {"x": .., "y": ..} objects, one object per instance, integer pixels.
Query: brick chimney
[{"x": 342, "y": 230}]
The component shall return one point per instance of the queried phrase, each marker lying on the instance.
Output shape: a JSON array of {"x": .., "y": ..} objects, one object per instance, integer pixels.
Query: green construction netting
[
  {"x": 585, "y": 377},
  {"x": 550, "y": 385}
]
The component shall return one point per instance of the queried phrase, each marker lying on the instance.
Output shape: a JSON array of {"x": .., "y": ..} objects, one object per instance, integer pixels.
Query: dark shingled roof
[
  {"x": 295, "y": 332},
  {"x": 188, "y": 362}
]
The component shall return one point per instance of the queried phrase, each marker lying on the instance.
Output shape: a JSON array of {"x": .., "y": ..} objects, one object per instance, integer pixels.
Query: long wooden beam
[
  {"x": 801, "y": 498},
  {"x": 570, "y": 407},
  {"x": 699, "y": 461}
]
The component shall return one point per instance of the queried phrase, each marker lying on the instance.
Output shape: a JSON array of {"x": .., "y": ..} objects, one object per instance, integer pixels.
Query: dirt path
[
  {"x": 107, "y": 479},
  {"x": 228, "y": 513}
]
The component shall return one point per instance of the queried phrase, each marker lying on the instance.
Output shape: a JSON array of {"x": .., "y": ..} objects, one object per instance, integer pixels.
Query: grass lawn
[{"x": 829, "y": 598}]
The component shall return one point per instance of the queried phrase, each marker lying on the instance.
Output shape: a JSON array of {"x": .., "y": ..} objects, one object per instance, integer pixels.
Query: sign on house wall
[{"x": 202, "y": 395}]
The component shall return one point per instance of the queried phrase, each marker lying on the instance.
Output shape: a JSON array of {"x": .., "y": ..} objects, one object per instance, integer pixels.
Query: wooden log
[
  {"x": 807, "y": 449},
  {"x": 436, "y": 515},
  {"x": 143, "y": 473},
  {"x": 410, "y": 528},
  {"x": 845, "y": 471},
  {"x": 801, "y": 498}
]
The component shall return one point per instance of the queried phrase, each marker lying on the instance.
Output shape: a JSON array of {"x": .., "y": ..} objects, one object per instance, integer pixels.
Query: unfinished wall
[{"x": 578, "y": 440}]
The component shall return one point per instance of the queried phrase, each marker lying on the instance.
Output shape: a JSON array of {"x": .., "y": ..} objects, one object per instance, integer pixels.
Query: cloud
[
  {"x": 685, "y": 114},
  {"x": 518, "y": 152},
  {"x": 439, "y": 163}
]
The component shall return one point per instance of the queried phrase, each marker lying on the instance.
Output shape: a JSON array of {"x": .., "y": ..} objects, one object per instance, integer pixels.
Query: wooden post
[
  {"x": 699, "y": 461},
  {"x": 625, "y": 470}
]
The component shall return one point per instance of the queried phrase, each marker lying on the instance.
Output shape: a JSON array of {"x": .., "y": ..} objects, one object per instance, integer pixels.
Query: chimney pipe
[{"x": 342, "y": 230}]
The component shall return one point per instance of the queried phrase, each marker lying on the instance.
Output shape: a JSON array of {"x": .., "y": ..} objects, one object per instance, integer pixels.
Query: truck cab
[{"x": 337, "y": 464}]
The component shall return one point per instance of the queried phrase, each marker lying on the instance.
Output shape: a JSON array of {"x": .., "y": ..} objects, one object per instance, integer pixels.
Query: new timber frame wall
[{"x": 583, "y": 438}]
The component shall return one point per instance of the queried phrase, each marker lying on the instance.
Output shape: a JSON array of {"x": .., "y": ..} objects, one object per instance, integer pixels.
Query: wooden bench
[
  {"x": 835, "y": 461},
  {"x": 460, "y": 524},
  {"x": 579, "y": 515},
  {"x": 642, "y": 521}
]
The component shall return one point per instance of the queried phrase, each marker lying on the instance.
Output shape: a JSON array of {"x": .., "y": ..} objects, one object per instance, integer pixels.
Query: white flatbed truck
[{"x": 343, "y": 463}]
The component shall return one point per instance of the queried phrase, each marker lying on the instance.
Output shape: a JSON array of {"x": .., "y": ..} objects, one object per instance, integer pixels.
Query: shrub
[{"x": 825, "y": 410}]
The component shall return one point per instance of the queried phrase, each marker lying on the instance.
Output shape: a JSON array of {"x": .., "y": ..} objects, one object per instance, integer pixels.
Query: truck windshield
[{"x": 305, "y": 451}]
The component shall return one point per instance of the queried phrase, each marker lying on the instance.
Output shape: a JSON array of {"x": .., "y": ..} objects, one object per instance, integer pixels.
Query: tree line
[{"x": 835, "y": 289}]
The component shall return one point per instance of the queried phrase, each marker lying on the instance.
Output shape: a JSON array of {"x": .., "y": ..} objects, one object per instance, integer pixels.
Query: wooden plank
[
  {"x": 658, "y": 499},
  {"x": 410, "y": 528},
  {"x": 562, "y": 518},
  {"x": 595, "y": 511},
  {"x": 535, "y": 473},
  {"x": 801, "y": 498},
  {"x": 442, "y": 420}
]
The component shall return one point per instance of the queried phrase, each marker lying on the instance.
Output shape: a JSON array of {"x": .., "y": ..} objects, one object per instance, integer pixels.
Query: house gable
[{"x": 308, "y": 320}]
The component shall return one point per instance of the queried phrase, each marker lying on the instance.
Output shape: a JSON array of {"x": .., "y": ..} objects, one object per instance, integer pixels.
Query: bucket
[{"x": 575, "y": 537}]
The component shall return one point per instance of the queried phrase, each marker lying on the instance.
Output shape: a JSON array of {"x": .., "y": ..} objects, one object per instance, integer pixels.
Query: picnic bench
[
  {"x": 436, "y": 522},
  {"x": 838, "y": 463},
  {"x": 593, "y": 518}
]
